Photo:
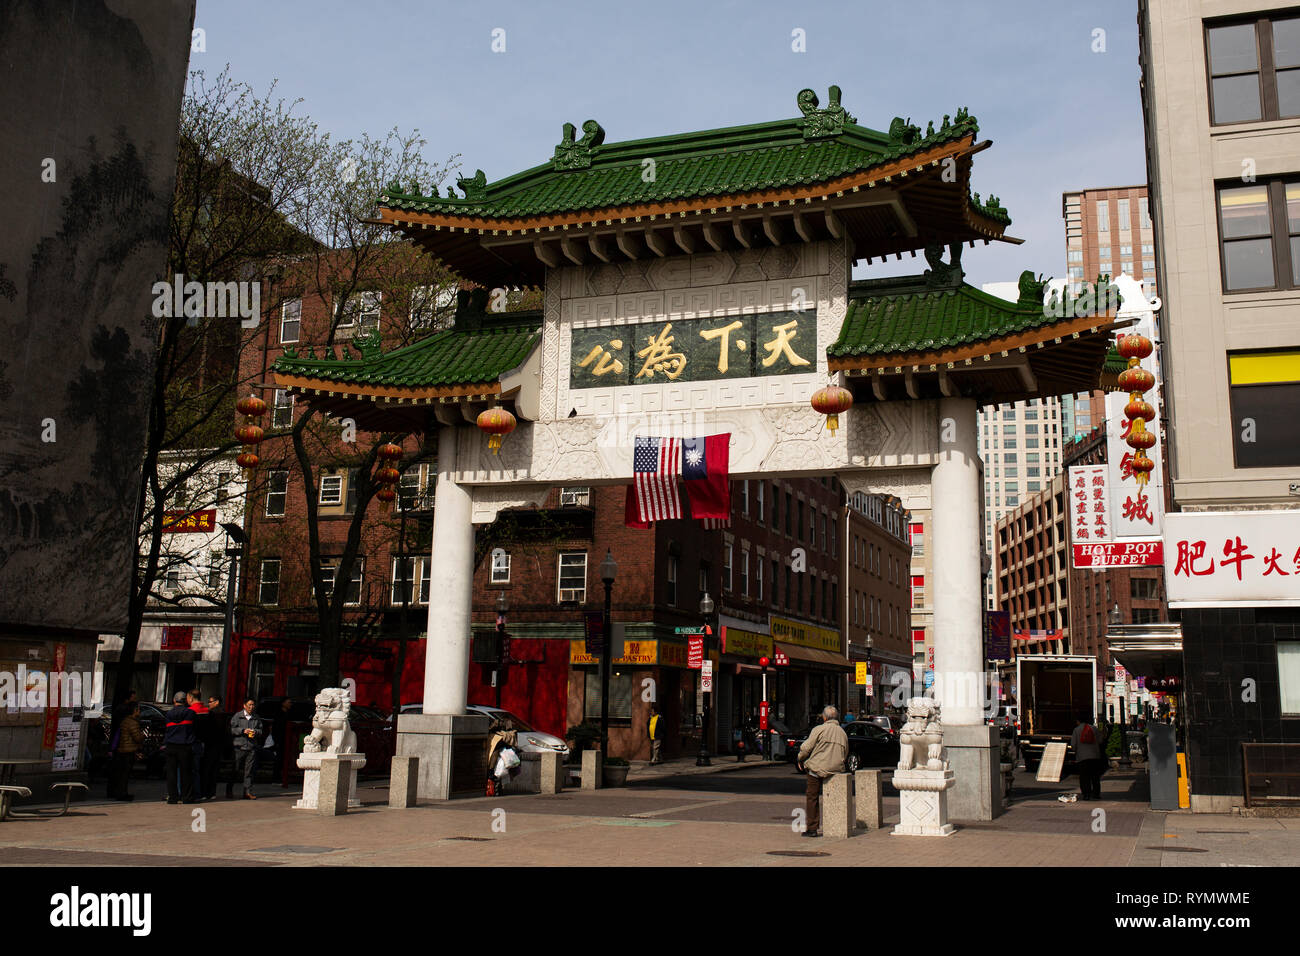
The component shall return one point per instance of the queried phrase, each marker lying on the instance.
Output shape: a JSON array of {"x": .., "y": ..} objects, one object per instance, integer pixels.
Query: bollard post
[
  {"x": 869, "y": 795},
  {"x": 404, "y": 782}
]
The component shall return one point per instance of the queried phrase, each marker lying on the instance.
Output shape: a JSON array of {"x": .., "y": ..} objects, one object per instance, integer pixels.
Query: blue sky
[{"x": 1060, "y": 116}]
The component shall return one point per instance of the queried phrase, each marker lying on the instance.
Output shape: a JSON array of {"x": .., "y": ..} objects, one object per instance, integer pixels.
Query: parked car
[
  {"x": 882, "y": 721},
  {"x": 528, "y": 739},
  {"x": 869, "y": 746}
]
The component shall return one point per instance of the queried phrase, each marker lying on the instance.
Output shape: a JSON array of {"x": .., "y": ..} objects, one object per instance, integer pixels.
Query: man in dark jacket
[
  {"x": 178, "y": 739},
  {"x": 246, "y": 733}
]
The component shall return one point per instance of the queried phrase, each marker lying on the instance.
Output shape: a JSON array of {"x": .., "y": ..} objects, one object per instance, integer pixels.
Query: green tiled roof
[
  {"x": 477, "y": 353},
  {"x": 589, "y": 174},
  {"x": 1115, "y": 363},
  {"x": 905, "y": 315}
]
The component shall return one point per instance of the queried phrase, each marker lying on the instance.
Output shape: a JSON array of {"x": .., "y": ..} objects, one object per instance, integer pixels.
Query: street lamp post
[
  {"x": 503, "y": 646},
  {"x": 235, "y": 541},
  {"x": 706, "y": 610},
  {"x": 1116, "y": 619},
  {"x": 870, "y": 697},
  {"x": 608, "y": 568}
]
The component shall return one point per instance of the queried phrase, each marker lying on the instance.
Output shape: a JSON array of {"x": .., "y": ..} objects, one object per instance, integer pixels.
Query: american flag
[
  {"x": 656, "y": 464},
  {"x": 714, "y": 524}
]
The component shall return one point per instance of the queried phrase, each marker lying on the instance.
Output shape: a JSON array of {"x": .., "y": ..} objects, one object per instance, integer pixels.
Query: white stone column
[
  {"x": 451, "y": 581},
  {"x": 971, "y": 744},
  {"x": 958, "y": 544}
]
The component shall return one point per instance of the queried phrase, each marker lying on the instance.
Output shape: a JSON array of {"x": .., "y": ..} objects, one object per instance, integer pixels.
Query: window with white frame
[
  {"x": 432, "y": 307},
  {"x": 277, "y": 486},
  {"x": 500, "y": 566},
  {"x": 744, "y": 574},
  {"x": 214, "y": 569},
  {"x": 744, "y": 497},
  {"x": 282, "y": 409},
  {"x": 290, "y": 321},
  {"x": 268, "y": 583},
  {"x": 415, "y": 489},
  {"x": 761, "y": 485},
  {"x": 576, "y": 497},
  {"x": 407, "y": 573},
  {"x": 726, "y": 568},
  {"x": 360, "y": 311},
  {"x": 572, "y": 578},
  {"x": 329, "y": 571},
  {"x": 331, "y": 489},
  {"x": 1288, "y": 672},
  {"x": 671, "y": 591}
]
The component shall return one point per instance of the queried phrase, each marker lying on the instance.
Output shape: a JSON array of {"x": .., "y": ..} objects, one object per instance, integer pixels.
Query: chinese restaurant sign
[
  {"x": 694, "y": 350},
  {"x": 1119, "y": 554},
  {"x": 1096, "y": 510},
  {"x": 198, "y": 522},
  {"x": 805, "y": 635},
  {"x": 1233, "y": 559},
  {"x": 747, "y": 643},
  {"x": 1137, "y": 511},
  {"x": 1089, "y": 504}
]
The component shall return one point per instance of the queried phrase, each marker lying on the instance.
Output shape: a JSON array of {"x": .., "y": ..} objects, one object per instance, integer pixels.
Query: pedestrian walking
[
  {"x": 178, "y": 738},
  {"x": 821, "y": 755},
  {"x": 1087, "y": 758},
  {"x": 216, "y": 745},
  {"x": 246, "y": 732},
  {"x": 654, "y": 727},
  {"x": 125, "y": 751}
]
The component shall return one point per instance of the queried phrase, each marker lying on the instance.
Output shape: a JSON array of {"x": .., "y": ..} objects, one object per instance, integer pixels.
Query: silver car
[{"x": 527, "y": 739}]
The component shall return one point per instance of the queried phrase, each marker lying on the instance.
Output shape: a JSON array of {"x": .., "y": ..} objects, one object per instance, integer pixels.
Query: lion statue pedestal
[
  {"x": 330, "y": 738},
  {"x": 923, "y": 778}
]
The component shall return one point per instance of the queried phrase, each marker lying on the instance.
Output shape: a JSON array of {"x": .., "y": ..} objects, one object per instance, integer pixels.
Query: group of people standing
[{"x": 196, "y": 739}]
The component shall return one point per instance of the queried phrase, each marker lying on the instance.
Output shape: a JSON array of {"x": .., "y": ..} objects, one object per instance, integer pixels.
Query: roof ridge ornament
[
  {"x": 903, "y": 132},
  {"x": 1031, "y": 289},
  {"x": 943, "y": 275},
  {"x": 828, "y": 122},
  {"x": 577, "y": 155},
  {"x": 474, "y": 187},
  {"x": 366, "y": 344}
]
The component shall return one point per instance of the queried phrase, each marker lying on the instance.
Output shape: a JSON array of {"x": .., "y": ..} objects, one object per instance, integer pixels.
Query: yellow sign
[
  {"x": 806, "y": 635},
  {"x": 634, "y": 652},
  {"x": 747, "y": 643},
  {"x": 861, "y": 676}
]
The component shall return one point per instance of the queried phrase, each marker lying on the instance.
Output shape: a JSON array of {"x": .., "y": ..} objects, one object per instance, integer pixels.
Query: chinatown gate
[{"x": 700, "y": 284}]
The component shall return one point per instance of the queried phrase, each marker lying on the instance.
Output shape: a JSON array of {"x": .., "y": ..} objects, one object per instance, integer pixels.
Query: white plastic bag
[
  {"x": 510, "y": 758},
  {"x": 500, "y": 770}
]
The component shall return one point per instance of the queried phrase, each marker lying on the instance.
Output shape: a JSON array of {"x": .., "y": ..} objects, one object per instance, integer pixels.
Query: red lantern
[
  {"x": 385, "y": 495},
  {"x": 252, "y": 406},
  {"x": 388, "y": 476},
  {"x": 1133, "y": 346},
  {"x": 1136, "y": 379},
  {"x": 1140, "y": 439},
  {"x": 832, "y": 401},
  {"x": 498, "y": 423},
  {"x": 1139, "y": 409},
  {"x": 249, "y": 434},
  {"x": 248, "y": 462},
  {"x": 389, "y": 452}
]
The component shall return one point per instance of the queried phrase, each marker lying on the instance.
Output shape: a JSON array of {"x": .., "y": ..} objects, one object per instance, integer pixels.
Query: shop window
[{"x": 620, "y": 695}]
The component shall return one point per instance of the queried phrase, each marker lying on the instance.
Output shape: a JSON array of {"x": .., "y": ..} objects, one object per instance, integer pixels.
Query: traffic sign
[
  {"x": 869, "y": 686},
  {"x": 688, "y": 630},
  {"x": 706, "y": 676}
]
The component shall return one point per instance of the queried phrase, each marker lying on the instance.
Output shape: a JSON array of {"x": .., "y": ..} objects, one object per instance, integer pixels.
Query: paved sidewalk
[{"x": 691, "y": 819}]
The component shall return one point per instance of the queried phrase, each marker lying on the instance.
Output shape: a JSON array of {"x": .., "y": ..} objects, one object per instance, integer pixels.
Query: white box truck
[{"x": 1052, "y": 690}]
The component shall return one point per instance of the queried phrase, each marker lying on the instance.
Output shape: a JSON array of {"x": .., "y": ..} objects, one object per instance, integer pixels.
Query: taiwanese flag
[{"x": 704, "y": 473}]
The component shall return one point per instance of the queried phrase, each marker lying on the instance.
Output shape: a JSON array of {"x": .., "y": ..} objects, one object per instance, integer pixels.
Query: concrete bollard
[
  {"x": 592, "y": 762},
  {"x": 404, "y": 782},
  {"x": 869, "y": 796},
  {"x": 335, "y": 777},
  {"x": 839, "y": 818},
  {"x": 552, "y": 772}
]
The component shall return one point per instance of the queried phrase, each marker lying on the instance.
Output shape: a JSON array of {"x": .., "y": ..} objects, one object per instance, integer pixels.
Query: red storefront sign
[
  {"x": 695, "y": 653},
  {"x": 51, "y": 730},
  {"x": 177, "y": 639},
  {"x": 1119, "y": 554}
]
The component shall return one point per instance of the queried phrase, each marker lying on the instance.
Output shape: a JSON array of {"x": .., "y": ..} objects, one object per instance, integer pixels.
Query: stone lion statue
[
  {"x": 922, "y": 737},
  {"x": 331, "y": 732}
]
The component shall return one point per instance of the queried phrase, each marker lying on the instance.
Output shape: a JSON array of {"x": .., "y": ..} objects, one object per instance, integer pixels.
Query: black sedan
[{"x": 869, "y": 746}]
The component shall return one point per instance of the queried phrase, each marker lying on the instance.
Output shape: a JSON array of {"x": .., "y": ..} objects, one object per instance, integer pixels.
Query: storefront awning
[
  {"x": 813, "y": 655},
  {"x": 1147, "y": 650}
]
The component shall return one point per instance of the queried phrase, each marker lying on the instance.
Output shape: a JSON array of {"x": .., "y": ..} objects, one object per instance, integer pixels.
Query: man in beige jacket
[{"x": 821, "y": 755}]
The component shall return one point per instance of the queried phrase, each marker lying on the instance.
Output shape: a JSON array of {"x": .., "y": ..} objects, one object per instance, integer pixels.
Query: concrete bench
[{"x": 7, "y": 794}]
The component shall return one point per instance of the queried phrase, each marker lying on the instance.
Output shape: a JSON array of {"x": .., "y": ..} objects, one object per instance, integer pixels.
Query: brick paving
[{"x": 690, "y": 819}]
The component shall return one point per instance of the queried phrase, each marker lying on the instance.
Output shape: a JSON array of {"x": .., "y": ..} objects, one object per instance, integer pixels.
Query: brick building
[{"x": 877, "y": 567}]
